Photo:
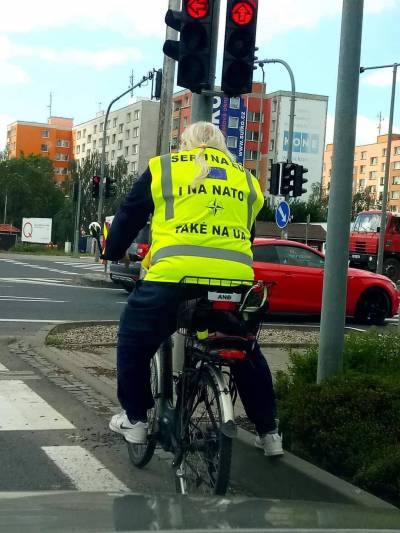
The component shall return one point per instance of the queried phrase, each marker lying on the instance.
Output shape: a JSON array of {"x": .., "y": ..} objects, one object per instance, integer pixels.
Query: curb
[
  {"x": 287, "y": 478},
  {"x": 62, "y": 328},
  {"x": 91, "y": 280}
]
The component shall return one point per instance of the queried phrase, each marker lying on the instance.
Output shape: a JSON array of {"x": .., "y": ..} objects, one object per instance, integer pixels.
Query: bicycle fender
[{"x": 229, "y": 426}]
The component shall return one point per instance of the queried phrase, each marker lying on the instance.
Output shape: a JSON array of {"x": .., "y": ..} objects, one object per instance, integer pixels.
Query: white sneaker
[
  {"x": 135, "y": 433},
  {"x": 271, "y": 443}
]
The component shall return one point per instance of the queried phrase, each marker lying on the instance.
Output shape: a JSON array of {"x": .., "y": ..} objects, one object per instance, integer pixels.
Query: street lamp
[{"x": 381, "y": 246}]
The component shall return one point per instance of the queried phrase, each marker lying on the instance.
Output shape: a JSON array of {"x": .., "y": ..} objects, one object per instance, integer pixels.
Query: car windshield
[{"x": 368, "y": 222}]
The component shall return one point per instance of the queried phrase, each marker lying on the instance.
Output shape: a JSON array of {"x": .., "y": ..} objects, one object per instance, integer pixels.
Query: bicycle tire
[
  {"x": 141, "y": 454},
  {"x": 218, "y": 479}
]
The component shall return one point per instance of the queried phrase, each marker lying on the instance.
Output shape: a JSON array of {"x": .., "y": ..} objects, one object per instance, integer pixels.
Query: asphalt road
[{"x": 39, "y": 290}]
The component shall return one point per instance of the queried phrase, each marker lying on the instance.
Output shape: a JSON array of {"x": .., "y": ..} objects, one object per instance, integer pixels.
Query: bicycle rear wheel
[
  {"x": 206, "y": 461},
  {"x": 141, "y": 454}
]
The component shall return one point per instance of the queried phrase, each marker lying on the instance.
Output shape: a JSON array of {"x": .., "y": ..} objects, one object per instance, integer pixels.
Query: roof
[
  {"x": 9, "y": 228},
  {"x": 294, "y": 231}
]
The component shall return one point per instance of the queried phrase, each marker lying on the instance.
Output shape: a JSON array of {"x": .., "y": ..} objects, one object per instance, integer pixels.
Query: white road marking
[
  {"x": 28, "y": 320},
  {"x": 56, "y": 283},
  {"x": 356, "y": 329},
  {"x": 22, "y": 299},
  {"x": 36, "y": 266},
  {"x": 3, "y": 368},
  {"x": 21, "y": 409},
  {"x": 85, "y": 471}
]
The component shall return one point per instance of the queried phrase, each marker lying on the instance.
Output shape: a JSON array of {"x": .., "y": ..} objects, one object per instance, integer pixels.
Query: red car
[{"x": 298, "y": 273}]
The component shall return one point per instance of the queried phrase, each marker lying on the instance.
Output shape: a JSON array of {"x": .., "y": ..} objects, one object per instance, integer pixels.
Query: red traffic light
[
  {"x": 242, "y": 13},
  {"x": 96, "y": 180},
  {"x": 197, "y": 9}
]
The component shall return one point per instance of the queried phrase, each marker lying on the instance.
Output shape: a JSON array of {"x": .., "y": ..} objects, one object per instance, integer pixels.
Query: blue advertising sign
[
  {"x": 304, "y": 143},
  {"x": 282, "y": 214},
  {"x": 230, "y": 115}
]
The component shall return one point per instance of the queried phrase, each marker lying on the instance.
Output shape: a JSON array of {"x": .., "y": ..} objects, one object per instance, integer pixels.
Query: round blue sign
[{"x": 282, "y": 214}]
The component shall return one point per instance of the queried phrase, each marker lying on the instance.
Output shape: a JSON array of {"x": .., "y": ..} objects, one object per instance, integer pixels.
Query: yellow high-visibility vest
[{"x": 203, "y": 232}]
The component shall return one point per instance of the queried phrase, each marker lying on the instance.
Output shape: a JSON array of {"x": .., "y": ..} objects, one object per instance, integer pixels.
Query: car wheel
[
  {"x": 391, "y": 268},
  {"x": 127, "y": 286},
  {"x": 373, "y": 307}
]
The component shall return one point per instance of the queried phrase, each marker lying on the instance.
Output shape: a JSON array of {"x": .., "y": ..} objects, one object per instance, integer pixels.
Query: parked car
[
  {"x": 298, "y": 270},
  {"x": 127, "y": 273}
]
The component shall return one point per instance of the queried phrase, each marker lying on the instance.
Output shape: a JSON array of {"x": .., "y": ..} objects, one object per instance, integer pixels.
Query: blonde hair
[{"x": 203, "y": 135}]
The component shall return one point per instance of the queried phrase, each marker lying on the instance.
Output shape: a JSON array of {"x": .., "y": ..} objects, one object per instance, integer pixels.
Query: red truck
[{"x": 364, "y": 238}]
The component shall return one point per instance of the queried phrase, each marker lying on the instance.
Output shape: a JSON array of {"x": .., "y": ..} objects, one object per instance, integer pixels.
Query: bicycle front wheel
[
  {"x": 206, "y": 461},
  {"x": 141, "y": 454}
]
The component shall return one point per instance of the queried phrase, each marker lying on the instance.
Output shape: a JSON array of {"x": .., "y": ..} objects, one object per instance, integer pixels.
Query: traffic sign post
[{"x": 282, "y": 214}]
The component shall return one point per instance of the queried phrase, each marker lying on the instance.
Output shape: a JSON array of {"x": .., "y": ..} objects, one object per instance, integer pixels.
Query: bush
[
  {"x": 35, "y": 249},
  {"x": 350, "y": 423}
]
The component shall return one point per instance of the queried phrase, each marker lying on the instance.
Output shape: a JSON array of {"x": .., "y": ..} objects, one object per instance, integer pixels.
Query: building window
[
  {"x": 177, "y": 105},
  {"x": 273, "y": 125},
  {"x": 395, "y": 195},
  {"x": 274, "y": 105},
  {"x": 78, "y": 135},
  {"x": 135, "y": 149},
  {"x": 84, "y": 133},
  {"x": 383, "y": 167},
  {"x": 271, "y": 145},
  {"x": 95, "y": 129},
  {"x": 115, "y": 122},
  {"x": 362, "y": 169},
  {"x": 106, "y": 154},
  {"x": 108, "y": 124},
  {"x": 88, "y": 152},
  {"x": 127, "y": 134},
  {"x": 113, "y": 138},
  {"x": 94, "y": 144},
  {"x": 251, "y": 155},
  {"x": 396, "y": 180},
  {"x": 252, "y": 135},
  {"x": 112, "y": 154},
  {"x": 136, "y": 114},
  {"x": 363, "y": 155},
  {"x": 270, "y": 163},
  {"x": 78, "y": 149},
  {"x": 45, "y": 133},
  {"x": 126, "y": 151},
  {"x": 119, "y": 145},
  {"x": 373, "y": 174},
  {"x": 362, "y": 183},
  {"x": 134, "y": 166},
  {"x": 61, "y": 157},
  {"x": 107, "y": 140},
  {"x": 185, "y": 122},
  {"x": 233, "y": 122},
  {"x": 374, "y": 161},
  {"x": 234, "y": 103},
  {"x": 120, "y": 128},
  {"x": 83, "y": 147},
  {"x": 253, "y": 116},
  {"x": 186, "y": 101},
  {"x": 393, "y": 208},
  {"x": 384, "y": 152},
  {"x": 89, "y": 139},
  {"x": 62, "y": 144},
  {"x": 128, "y": 117},
  {"x": 396, "y": 165},
  {"x": 101, "y": 126},
  {"x": 382, "y": 182},
  {"x": 231, "y": 141},
  {"x": 44, "y": 147},
  {"x": 396, "y": 150},
  {"x": 136, "y": 132}
]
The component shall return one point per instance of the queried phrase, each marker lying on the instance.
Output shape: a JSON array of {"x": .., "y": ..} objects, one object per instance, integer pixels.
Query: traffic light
[
  {"x": 95, "y": 186},
  {"x": 275, "y": 178},
  {"x": 287, "y": 180},
  {"x": 158, "y": 84},
  {"x": 299, "y": 180},
  {"x": 239, "y": 49},
  {"x": 110, "y": 189},
  {"x": 195, "y": 49}
]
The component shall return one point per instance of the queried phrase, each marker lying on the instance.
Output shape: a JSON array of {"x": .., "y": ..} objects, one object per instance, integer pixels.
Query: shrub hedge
[{"x": 350, "y": 423}]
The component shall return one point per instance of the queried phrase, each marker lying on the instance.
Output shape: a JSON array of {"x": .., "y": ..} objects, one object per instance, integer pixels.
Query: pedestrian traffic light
[
  {"x": 110, "y": 189},
  {"x": 239, "y": 49},
  {"x": 95, "y": 186},
  {"x": 299, "y": 180},
  {"x": 196, "y": 47},
  {"x": 275, "y": 178},
  {"x": 287, "y": 180},
  {"x": 158, "y": 84}
]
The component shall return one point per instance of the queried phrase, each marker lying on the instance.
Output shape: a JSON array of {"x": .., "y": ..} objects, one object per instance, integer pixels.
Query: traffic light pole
[
  {"x": 330, "y": 360},
  {"x": 77, "y": 220},
  {"x": 202, "y": 104}
]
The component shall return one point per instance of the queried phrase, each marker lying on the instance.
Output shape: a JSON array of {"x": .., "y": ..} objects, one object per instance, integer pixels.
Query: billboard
[
  {"x": 308, "y": 135},
  {"x": 230, "y": 115},
  {"x": 37, "y": 230}
]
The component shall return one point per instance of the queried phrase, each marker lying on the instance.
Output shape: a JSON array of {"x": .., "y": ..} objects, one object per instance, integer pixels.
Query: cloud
[
  {"x": 4, "y": 121},
  {"x": 366, "y": 132},
  {"x": 12, "y": 75},
  {"x": 378, "y": 78}
]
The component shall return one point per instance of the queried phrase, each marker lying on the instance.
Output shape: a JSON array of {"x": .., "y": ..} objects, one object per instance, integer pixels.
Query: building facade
[
  {"x": 131, "y": 132},
  {"x": 308, "y": 135},
  {"x": 52, "y": 139},
  {"x": 369, "y": 171},
  {"x": 256, "y": 128}
]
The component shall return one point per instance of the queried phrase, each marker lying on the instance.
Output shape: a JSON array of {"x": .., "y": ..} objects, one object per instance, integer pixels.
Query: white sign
[
  {"x": 308, "y": 136},
  {"x": 36, "y": 230}
]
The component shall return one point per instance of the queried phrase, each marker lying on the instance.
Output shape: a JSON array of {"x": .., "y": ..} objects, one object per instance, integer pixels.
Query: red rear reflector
[
  {"x": 232, "y": 354},
  {"x": 224, "y": 306},
  {"x": 142, "y": 249}
]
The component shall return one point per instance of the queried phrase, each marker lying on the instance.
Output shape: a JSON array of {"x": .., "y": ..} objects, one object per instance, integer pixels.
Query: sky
[{"x": 83, "y": 52}]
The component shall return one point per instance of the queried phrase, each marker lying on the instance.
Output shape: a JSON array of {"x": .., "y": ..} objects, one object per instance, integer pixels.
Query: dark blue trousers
[{"x": 148, "y": 319}]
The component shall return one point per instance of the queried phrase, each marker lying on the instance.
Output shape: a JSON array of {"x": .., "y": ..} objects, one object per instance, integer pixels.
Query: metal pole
[
  {"x": 260, "y": 123},
  {"x": 381, "y": 245},
  {"x": 77, "y": 220},
  {"x": 5, "y": 207},
  {"x": 167, "y": 91},
  {"x": 202, "y": 103},
  {"x": 340, "y": 197}
]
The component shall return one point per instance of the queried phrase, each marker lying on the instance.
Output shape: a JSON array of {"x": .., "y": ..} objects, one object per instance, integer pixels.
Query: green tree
[
  {"x": 30, "y": 188},
  {"x": 362, "y": 201}
]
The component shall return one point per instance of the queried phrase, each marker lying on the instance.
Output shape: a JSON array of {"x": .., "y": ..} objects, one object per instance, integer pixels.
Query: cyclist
[{"x": 203, "y": 208}]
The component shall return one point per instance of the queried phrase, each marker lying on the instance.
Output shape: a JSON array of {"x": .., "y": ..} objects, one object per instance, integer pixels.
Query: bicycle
[{"x": 193, "y": 389}]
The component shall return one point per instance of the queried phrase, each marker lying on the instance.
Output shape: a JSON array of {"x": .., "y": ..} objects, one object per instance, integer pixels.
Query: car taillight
[
  {"x": 232, "y": 354},
  {"x": 142, "y": 249},
  {"x": 224, "y": 306}
]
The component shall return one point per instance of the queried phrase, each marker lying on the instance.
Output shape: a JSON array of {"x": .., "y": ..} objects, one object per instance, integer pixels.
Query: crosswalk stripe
[
  {"x": 3, "y": 368},
  {"x": 85, "y": 471},
  {"x": 21, "y": 409}
]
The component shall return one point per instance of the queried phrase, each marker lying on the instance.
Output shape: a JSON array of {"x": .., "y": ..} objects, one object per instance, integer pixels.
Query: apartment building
[
  {"x": 369, "y": 170},
  {"x": 308, "y": 135},
  {"x": 52, "y": 139},
  {"x": 131, "y": 132},
  {"x": 255, "y": 110}
]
